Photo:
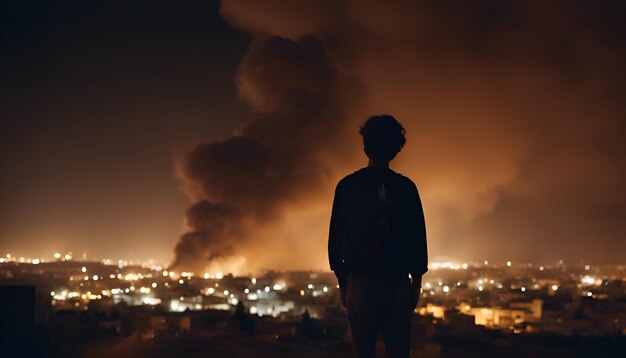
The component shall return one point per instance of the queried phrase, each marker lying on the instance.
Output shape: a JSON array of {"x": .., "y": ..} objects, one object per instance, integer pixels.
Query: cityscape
[
  {"x": 240, "y": 178},
  {"x": 125, "y": 308}
]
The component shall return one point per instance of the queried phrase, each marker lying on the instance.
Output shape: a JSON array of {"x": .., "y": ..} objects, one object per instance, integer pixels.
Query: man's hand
[
  {"x": 416, "y": 286},
  {"x": 344, "y": 293}
]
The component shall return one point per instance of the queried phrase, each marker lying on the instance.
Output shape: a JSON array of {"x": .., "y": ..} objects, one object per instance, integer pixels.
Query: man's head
[{"x": 383, "y": 137}]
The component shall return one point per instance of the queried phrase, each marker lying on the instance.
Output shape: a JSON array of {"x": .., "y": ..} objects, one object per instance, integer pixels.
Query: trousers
[{"x": 378, "y": 302}]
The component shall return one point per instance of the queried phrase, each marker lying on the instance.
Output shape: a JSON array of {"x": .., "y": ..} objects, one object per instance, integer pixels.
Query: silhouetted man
[{"x": 377, "y": 238}]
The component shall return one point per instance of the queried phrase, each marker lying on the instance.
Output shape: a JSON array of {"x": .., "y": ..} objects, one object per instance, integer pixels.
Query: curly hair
[{"x": 383, "y": 137}]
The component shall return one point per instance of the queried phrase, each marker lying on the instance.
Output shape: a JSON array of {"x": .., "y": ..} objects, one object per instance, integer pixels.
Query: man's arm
[
  {"x": 420, "y": 251},
  {"x": 337, "y": 233}
]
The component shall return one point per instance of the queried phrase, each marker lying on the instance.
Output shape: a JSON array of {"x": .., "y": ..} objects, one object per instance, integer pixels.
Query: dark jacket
[{"x": 377, "y": 225}]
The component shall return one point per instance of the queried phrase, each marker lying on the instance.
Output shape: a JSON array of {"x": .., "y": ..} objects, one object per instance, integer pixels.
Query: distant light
[
  {"x": 467, "y": 307},
  {"x": 83, "y": 269},
  {"x": 587, "y": 267},
  {"x": 219, "y": 275},
  {"x": 225, "y": 292},
  {"x": 486, "y": 262},
  {"x": 52, "y": 293},
  {"x": 132, "y": 288},
  {"x": 86, "y": 278},
  {"x": 588, "y": 280},
  {"x": 1, "y": 260},
  {"x": 253, "y": 310},
  {"x": 310, "y": 286},
  {"x": 95, "y": 277},
  {"x": 36, "y": 261},
  {"x": 181, "y": 281},
  {"x": 165, "y": 273},
  {"x": 277, "y": 287},
  {"x": 246, "y": 290},
  {"x": 589, "y": 294},
  {"x": 509, "y": 263},
  {"x": 301, "y": 292},
  {"x": 480, "y": 288},
  {"x": 206, "y": 275},
  {"x": 325, "y": 289},
  {"x": 540, "y": 268},
  {"x": 464, "y": 266},
  {"x": 523, "y": 289},
  {"x": 154, "y": 284},
  {"x": 555, "y": 287},
  {"x": 267, "y": 289},
  {"x": 68, "y": 257},
  {"x": 446, "y": 289},
  {"x": 57, "y": 255},
  {"x": 253, "y": 281},
  {"x": 211, "y": 290}
]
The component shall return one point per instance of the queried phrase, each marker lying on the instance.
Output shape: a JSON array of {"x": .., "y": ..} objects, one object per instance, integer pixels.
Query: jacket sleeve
[
  {"x": 419, "y": 251},
  {"x": 337, "y": 232}
]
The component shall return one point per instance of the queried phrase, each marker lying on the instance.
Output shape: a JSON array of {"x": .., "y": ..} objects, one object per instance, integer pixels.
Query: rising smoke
[
  {"x": 514, "y": 115},
  {"x": 275, "y": 158}
]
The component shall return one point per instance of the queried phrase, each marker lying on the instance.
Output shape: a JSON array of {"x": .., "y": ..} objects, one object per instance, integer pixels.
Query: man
[{"x": 377, "y": 238}]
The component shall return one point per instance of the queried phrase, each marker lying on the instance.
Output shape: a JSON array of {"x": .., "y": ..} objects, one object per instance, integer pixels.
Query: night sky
[{"x": 213, "y": 137}]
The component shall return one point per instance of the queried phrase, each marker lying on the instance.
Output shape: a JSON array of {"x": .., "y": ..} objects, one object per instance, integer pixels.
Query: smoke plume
[{"x": 275, "y": 158}]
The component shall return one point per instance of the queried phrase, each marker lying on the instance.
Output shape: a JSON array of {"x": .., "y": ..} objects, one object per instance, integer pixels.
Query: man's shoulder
[
  {"x": 348, "y": 180},
  {"x": 406, "y": 181},
  {"x": 362, "y": 174}
]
